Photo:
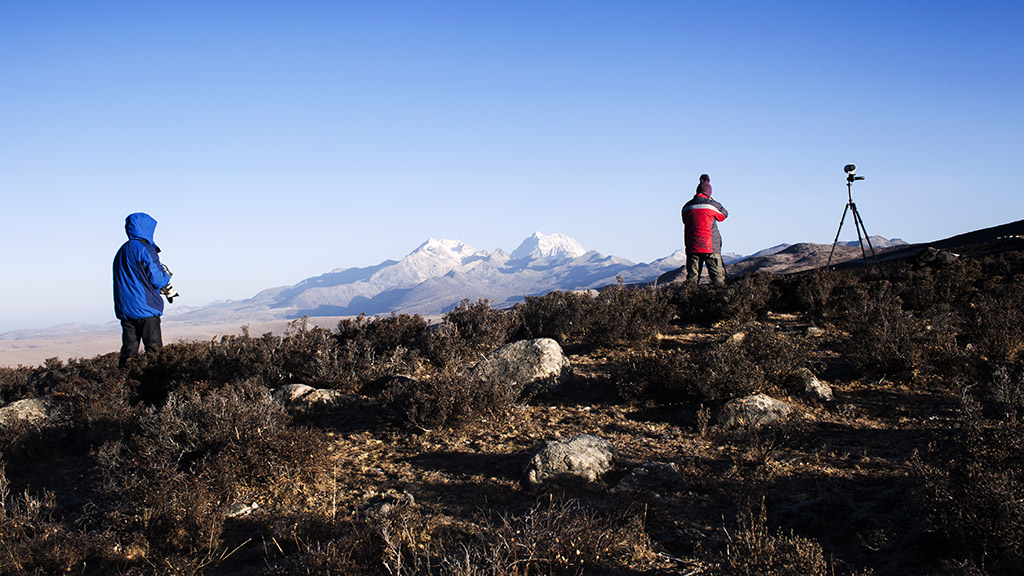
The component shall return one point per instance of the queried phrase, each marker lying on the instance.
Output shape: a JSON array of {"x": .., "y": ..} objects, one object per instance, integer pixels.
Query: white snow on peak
[
  {"x": 447, "y": 249},
  {"x": 433, "y": 258},
  {"x": 548, "y": 246}
]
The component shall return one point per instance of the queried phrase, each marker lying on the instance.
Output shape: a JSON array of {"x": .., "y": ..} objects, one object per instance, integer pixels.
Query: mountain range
[
  {"x": 440, "y": 273},
  {"x": 434, "y": 278}
]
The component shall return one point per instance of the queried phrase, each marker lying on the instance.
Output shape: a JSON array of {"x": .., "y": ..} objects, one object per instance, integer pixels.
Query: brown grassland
[{"x": 915, "y": 467}]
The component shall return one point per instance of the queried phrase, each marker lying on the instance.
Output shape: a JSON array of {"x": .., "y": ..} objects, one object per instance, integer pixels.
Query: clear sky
[{"x": 274, "y": 141}]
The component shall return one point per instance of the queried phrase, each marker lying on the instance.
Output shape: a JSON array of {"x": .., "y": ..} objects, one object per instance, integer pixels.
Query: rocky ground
[{"x": 839, "y": 471}]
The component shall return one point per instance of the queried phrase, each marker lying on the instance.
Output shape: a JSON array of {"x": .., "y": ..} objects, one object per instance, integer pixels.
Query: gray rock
[
  {"x": 529, "y": 366},
  {"x": 325, "y": 397},
  {"x": 35, "y": 411},
  {"x": 301, "y": 397},
  {"x": 384, "y": 505},
  {"x": 651, "y": 477},
  {"x": 753, "y": 411},
  {"x": 291, "y": 393},
  {"x": 585, "y": 457},
  {"x": 805, "y": 382},
  {"x": 934, "y": 257},
  {"x": 239, "y": 509}
]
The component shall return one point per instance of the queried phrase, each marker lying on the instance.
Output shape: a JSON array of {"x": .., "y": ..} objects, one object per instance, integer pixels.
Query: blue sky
[{"x": 274, "y": 141}]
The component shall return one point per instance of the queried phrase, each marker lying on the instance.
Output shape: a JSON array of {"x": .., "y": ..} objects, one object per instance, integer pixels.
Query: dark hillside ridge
[{"x": 977, "y": 243}]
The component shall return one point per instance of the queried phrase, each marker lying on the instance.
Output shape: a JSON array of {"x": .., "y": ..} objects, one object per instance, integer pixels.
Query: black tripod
[{"x": 862, "y": 232}]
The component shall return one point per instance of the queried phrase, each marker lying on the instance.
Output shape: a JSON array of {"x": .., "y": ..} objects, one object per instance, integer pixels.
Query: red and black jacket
[{"x": 701, "y": 216}]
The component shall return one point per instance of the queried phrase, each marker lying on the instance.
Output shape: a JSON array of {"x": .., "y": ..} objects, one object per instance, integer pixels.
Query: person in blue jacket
[{"x": 139, "y": 278}]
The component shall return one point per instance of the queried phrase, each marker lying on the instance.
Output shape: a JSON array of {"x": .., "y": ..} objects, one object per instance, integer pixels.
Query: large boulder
[
  {"x": 753, "y": 411},
  {"x": 535, "y": 366},
  {"x": 585, "y": 457},
  {"x": 934, "y": 257}
]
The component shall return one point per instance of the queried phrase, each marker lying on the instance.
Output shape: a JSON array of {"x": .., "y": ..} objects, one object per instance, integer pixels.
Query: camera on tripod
[
  {"x": 850, "y": 170},
  {"x": 862, "y": 232}
]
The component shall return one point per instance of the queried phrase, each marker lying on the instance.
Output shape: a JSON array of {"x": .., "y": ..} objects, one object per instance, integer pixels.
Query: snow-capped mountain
[
  {"x": 439, "y": 274},
  {"x": 551, "y": 246},
  {"x": 436, "y": 277}
]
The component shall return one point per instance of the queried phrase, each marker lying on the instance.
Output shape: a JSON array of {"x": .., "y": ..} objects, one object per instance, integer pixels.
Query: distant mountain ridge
[
  {"x": 434, "y": 278},
  {"x": 440, "y": 273}
]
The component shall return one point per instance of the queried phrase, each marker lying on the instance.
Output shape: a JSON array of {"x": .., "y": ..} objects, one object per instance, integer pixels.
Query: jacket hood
[{"x": 140, "y": 226}]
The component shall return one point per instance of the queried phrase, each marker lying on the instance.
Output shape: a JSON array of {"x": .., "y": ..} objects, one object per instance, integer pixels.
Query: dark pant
[
  {"x": 144, "y": 330},
  {"x": 716, "y": 270}
]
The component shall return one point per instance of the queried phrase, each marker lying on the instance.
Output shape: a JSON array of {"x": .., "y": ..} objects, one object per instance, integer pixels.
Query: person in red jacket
[{"x": 701, "y": 216}]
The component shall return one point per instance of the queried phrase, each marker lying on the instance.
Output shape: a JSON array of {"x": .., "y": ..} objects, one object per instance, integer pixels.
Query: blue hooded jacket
[{"x": 138, "y": 274}]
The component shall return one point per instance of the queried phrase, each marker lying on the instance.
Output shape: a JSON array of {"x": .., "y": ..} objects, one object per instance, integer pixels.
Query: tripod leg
[
  {"x": 860, "y": 237},
  {"x": 860, "y": 226},
  {"x": 841, "y": 220}
]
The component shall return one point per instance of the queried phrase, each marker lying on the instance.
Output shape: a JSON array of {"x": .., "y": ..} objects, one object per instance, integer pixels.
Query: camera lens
[{"x": 850, "y": 168}]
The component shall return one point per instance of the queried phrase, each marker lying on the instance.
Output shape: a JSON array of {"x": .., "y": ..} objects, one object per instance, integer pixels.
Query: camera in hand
[{"x": 169, "y": 292}]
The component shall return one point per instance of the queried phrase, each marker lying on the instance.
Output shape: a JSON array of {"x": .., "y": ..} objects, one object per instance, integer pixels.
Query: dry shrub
[
  {"x": 924, "y": 288},
  {"x": 562, "y": 316},
  {"x": 77, "y": 377},
  {"x": 311, "y": 355},
  {"x": 450, "y": 398},
  {"x": 34, "y": 539},
  {"x": 751, "y": 296},
  {"x": 755, "y": 549},
  {"x": 184, "y": 463},
  {"x": 305, "y": 354},
  {"x": 393, "y": 536},
  {"x": 556, "y": 537},
  {"x": 994, "y": 322},
  {"x": 758, "y": 358},
  {"x": 618, "y": 316},
  {"x": 92, "y": 400},
  {"x": 815, "y": 290},
  {"x": 382, "y": 333},
  {"x": 776, "y": 353},
  {"x": 15, "y": 383},
  {"x": 467, "y": 331},
  {"x": 974, "y": 483},
  {"x": 1008, "y": 391},
  {"x": 382, "y": 346},
  {"x": 566, "y": 537},
  {"x": 884, "y": 338},
  {"x": 352, "y": 549},
  {"x": 97, "y": 398},
  {"x": 662, "y": 376},
  {"x": 698, "y": 303},
  {"x": 744, "y": 299},
  {"x": 625, "y": 316},
  {"x": 483, "y": 328}
]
